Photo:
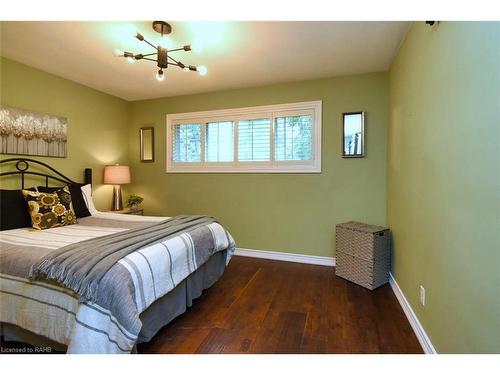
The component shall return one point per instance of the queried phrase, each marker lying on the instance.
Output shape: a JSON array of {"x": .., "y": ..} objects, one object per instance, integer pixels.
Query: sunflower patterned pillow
[{"x": 50, "y": 210}]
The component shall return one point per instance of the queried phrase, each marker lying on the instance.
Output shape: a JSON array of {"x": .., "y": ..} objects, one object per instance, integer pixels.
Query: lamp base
[{"x": 117, "y": 198}]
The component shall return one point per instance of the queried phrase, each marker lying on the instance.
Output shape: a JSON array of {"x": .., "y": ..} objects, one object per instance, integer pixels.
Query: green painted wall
[
  {"x": 443, "y": 184},
  {"x": 97, "y": 122},
  {"x": 438, "y": 110},
  {"x": 281, "y": 212}
]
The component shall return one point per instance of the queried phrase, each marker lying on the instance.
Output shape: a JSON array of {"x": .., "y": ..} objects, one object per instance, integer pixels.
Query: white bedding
[{"x": 55, "y": 238}]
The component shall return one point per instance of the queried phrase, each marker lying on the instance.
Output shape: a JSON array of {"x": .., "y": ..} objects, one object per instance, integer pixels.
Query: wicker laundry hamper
[{"x": 363, "y": 253}]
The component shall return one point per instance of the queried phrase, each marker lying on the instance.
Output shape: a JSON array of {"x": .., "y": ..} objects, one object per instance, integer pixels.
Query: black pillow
[
  {"x": 14, "y": 212},
  {"x": 75, "y": 190}
]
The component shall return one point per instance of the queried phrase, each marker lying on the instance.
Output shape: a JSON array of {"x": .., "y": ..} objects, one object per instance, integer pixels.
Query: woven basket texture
[{"x": 363, "y": 254}]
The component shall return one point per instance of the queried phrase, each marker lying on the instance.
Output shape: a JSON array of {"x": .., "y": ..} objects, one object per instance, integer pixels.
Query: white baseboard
[
  {"x": 287, "y": 257},
  {"x": 422, "y": 337}
]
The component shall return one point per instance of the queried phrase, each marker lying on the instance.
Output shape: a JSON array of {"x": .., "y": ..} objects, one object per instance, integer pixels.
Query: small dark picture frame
[
  {"x": 147, "y": 144},
  {"x": 353, "y": 135}
]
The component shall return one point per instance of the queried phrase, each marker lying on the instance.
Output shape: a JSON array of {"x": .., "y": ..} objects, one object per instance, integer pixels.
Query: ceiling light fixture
[{"x": 163, "y": 59}]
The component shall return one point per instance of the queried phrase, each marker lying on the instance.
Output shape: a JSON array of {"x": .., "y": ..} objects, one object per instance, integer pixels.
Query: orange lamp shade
[{"x": 116, "y": 174}]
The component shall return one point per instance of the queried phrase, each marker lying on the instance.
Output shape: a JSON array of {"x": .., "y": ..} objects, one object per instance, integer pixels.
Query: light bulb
[
  {"x": 160, "y": 76},
  {"x": 186, "y": 68},
  {"x": 130, "y": 59},
  {"x": 118, "y": 52},
  {"x": 196, "y": 47},
  {"x": 202, "y": 69}
]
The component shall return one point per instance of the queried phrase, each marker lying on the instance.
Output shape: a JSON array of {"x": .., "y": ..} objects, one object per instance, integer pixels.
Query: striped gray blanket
[{"x": 109, "y": 321}]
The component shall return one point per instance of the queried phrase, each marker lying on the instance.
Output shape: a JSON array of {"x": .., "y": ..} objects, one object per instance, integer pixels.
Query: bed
[{"x": 166, "y": 264}]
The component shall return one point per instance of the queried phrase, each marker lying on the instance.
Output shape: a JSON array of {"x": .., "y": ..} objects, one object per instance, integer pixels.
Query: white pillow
[{"x": 87, "y": 196}]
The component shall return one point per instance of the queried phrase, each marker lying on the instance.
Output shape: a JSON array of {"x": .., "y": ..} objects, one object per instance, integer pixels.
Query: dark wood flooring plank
[{"x": 263, "y": 306}]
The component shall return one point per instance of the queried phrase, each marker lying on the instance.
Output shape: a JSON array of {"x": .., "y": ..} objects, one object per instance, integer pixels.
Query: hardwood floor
[{"x": 264, "y": 306}]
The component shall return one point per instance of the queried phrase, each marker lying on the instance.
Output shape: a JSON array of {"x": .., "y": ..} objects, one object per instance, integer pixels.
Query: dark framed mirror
[
  {"x": 353, "y": 135},
  {"x": 147, "y": 140}
]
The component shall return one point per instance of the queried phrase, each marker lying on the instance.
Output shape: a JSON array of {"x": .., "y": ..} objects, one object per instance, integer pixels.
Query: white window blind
[
  {"x": 284, "y": 138},
  {"x": 293, "y": 137},
  {"x": 254, "y": 137},
  {"x": 219, "y": 141},
  {"x": 187, "y": 143}
]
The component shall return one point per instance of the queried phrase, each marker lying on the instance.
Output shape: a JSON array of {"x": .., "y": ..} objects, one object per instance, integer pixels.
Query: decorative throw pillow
[
  {"x": 77, "y": 200},
  {"x": 50, "y": 210},
  {"x": 14, "y": 210}
]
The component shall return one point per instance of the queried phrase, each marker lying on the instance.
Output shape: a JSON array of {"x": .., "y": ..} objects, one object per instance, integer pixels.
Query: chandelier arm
[
  {"x": 150, "y": 54},
  {"x": 171, "y": 58},
  {"x": 150, "y": 44},
  {"x": 146, "y": 58},
  {"x": 177, "y": 63},
  {"x": 176, "y": 49}
]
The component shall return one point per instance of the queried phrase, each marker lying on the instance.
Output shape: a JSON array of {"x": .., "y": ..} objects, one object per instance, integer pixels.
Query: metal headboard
[{"x": 23, "y": 165}]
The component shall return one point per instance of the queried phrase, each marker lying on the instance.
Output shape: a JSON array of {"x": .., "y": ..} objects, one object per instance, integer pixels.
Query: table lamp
[{"x": 117, "y": 175}]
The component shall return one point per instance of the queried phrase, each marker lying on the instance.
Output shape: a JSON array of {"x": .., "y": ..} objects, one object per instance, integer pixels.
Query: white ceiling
[{"x": 237, "y": 54}]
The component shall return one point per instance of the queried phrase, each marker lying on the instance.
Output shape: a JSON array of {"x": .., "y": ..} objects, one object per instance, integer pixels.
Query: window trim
[{"x": 236, "y": 114}]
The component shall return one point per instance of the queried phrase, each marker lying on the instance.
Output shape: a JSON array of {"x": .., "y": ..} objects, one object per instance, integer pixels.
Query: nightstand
[{"x": 130, "y": 211}]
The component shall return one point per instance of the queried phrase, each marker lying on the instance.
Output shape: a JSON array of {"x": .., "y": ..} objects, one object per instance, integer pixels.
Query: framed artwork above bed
[{"x": 24, "y": 132}]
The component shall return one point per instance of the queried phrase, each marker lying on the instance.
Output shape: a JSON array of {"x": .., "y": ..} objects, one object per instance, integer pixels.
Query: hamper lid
[{"x": 362, "y": 227}]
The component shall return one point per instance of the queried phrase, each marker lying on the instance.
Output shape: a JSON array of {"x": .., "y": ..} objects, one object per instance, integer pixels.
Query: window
[
  {"x": 187, "y": 143},
  {"x": 283, "y": 138},
  {"x": 254, "y": 140},
  {"x": 293, "y": 137},
  {"x": 219, "y": 141}
]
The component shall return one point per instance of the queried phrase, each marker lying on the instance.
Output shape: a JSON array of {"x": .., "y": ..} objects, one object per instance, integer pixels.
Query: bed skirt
[{"x": 155, "y": 317}]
